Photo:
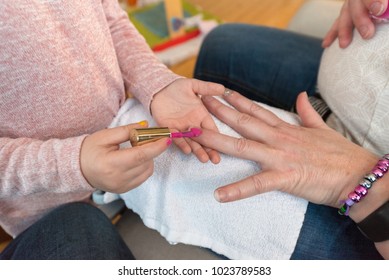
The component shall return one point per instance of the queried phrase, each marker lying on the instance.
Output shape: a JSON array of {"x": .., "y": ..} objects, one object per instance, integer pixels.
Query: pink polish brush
[
  {"x": 193, "y": 132},
  {"x": 141, "y": 136}
]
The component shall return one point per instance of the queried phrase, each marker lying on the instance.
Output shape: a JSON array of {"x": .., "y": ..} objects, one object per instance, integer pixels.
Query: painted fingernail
[
  {"x": 169, "y": 141},
  {"x": 220, "y": 196},
  {"x": 376, "y": 8},
  {"x": 143, "y": 123}
]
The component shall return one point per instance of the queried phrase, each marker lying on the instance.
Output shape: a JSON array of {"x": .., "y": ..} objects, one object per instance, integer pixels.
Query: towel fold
[{"x": 177, "y": 201}]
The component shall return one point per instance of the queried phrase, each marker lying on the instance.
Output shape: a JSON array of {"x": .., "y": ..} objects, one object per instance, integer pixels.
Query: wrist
[
  {"x": 354, "y": 178},
  {"x": 365, "y": 185},
  {"x": 372, "y": 214},
  {"x": 378, "y": 195}
]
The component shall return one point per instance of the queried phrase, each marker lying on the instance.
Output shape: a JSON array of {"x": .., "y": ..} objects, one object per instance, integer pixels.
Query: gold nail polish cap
[{"x": 141, "y": 136}]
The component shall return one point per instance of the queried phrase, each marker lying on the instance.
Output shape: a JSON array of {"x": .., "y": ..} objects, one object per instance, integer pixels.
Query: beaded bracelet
[{"x": 361, "y": 190}]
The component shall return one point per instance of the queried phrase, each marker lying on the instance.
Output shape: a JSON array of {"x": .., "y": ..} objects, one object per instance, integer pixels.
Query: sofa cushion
[{"x": 315, "y": 17}]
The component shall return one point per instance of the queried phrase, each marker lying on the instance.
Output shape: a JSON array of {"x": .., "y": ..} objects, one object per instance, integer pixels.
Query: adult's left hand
[
  {"x": 311, "y": 161},
  {"x": 178, "y": 106}
]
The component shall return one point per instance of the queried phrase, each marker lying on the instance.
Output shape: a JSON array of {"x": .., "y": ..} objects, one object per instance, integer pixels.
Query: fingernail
[
  {"x": 143, "y": 123},
  {"x": 324, "y": 43},
  {"x": 169, "y": 141},
  {"x": 220, "y": 195},
  {"x": 364, "y": 31},
  {"x": 227, "y": 92},
  {"x": 376, "y": 8},
  {"x": 343, "y": 43}
]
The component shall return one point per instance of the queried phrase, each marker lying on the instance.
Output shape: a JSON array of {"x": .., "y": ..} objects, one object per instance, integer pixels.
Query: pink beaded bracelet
[{"x": 361, "y": 190}]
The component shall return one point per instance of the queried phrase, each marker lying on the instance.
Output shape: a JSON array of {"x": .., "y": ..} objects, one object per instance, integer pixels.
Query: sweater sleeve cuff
[{"x": 70, "y": 167}]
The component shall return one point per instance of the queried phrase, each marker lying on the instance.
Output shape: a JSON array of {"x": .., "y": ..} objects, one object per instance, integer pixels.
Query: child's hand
[
  {"x": 178, "y": 106},
  {"x": 108, "y": 168}
]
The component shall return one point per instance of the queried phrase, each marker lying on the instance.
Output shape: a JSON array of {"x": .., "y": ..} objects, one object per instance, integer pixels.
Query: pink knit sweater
[{"x": 64, "y": 70}]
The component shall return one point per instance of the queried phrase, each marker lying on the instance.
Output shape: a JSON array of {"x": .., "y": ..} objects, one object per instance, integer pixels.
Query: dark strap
[{"x": 376, "y": 225}]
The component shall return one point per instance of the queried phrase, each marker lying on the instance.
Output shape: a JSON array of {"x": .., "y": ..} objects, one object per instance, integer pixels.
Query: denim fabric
[
  {"x": 265, "y": 64},
  {"x": 76, "y": 231},
  {"x": 326, "y": 235},
  {"x": 272, "y": 66}
]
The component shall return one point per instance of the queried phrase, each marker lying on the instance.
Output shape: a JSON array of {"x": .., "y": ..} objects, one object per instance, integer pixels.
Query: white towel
[{"x": 177, "y": 200}]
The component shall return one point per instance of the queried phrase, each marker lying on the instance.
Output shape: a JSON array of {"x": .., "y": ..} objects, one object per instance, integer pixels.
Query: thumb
[
  {"x": 308, "y": 115},
  {"x": 207, "y": 88},
  {"x": 120, "y": 134}
]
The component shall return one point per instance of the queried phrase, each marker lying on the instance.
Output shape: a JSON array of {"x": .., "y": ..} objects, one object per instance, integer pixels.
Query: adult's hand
[
  {"x": 178, "y": 106},
  {"x": 107, "y": 167},
  {"x": 311, "y": 161},
  {"x": 355, "y": 14}
]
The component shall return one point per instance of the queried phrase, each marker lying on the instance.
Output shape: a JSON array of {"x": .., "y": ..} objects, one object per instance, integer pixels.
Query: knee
[
  {"x": 87, "y": 233},
  {"x": 235, "y": 33},
  {"x": 230, "y": 40},
  {"x": 215, "y": 51},
  {"x": 77, "y": 210},
  {"x": 71, "y": 231},
  {"x": 221, "y": 35},
  {"x": 80, "y": 214}
]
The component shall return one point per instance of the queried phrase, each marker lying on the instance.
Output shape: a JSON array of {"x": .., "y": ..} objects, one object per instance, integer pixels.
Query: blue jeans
[
  {"x": 75, "y": 231},
  {"x": 273, "y": 66},
  {"x": 268, "y": 65}
]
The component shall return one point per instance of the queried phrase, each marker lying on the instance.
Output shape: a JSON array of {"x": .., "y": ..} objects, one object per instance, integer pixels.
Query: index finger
[
  {"x": 259, "y": 183},
  {"x": 207, "y": 88},
  {"x": 331, "y": 35},
  {"x": 345, "y": 26}
]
